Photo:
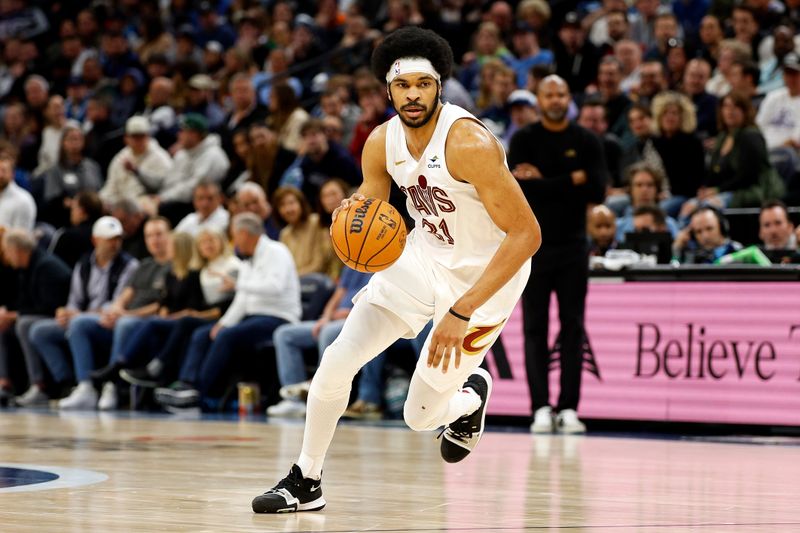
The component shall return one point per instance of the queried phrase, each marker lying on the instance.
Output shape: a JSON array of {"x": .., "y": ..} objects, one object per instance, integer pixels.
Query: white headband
[{"x": 408, "y": 65}]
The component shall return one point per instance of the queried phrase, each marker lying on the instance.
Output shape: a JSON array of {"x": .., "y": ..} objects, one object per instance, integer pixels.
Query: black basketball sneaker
[
  {"x": 294, "y": 493},
  {"x": 461, "y": 436}
]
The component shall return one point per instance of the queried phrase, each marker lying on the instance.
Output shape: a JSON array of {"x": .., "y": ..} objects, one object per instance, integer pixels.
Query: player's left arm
[{"x": 475, "y": 156}]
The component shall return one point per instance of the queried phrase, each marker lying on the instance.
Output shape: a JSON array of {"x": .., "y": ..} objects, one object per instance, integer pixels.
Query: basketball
[{"x": 369, "y": 236}]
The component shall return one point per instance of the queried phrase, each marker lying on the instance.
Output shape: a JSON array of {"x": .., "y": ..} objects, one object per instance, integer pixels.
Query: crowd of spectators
[{"x": 242, "y": 122}]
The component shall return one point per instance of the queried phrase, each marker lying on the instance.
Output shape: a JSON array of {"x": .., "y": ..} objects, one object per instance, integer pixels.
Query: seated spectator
[
  {"x": 783, "y": 43},
  {"x": 640, "y": 121},
  {"x": 740, "y": 173},
  {"x": 779, "y": 114},
  {"x": 730, "y": 50},
  {"x": 593, "y": 118},
  {"x": 97, "y": 280},
  {"x": 200, "y": 158},
  {"x": 322, "y": 161},
  {"x": 291, "y": 339},
  {"x": 705, "y": 239},
  {"x": 54, "y": 120},
  {"x": 331, "y": 195},
  {"x": 652, "y": 81},
  {"x": 488, "y": 44},
  {"x": 695, "y": 77},
  {"x": 92, "y": 335},
  {"x": 200, "y": 99},
  {"x": 17, "y": 206},
  {"x": 218, "y": 271},
  {"x": 132, "y": 217},
  {"x": 304, "y": 236},
  {"x": 129, "y": 99},
  {"x": 267, "y": 160},
  {"x": 777, "y": 234},
  {"x": 331, "y": 104},
  {"x": 711, "y": 36},
  {"x": 617, "y": 103},
  {"x": 72, "y": 242},
  {"x": 650, "y": 219},
  {"x": 286, "y": 116},
  {"x": 680, "y": 149},
  {"x": 496, "y": 115},
  {"x": 375, "y": 110},
  {"x": 267, "y": 296},
  {"x": 73, "y": 172},
  {"x": 104, "y": 138},
  {"x": 208, "y": 211},
  {"x": 159, "y": 112},
  {"x": 237, "y": 172},
  {"x": 576, "y": 57},
  {"x": 251, "y": 198},
  {"x": 18, "y": 132},
  {"x": 629, "y": 54},
  {"x": 645, "y": 188},
  {"x": 43, "y": 287},
  {"x": 665, "y": 28},
  {"x": 601, "y": 227},
  {"x": 246, "y": 110},
  {"x": 743, "y": 78},
  {"x": 523, "y": 110},
  {"x": 140, "y": 168}
]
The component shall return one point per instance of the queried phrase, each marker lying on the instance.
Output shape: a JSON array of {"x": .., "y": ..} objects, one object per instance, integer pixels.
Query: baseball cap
[
  {"x": 304, "y": 19},
  {"x": 214, "y": 46},
  {"x": 137, "y": 125},
  {"x": 522, "y": 97},
  {"x": 194, "y": 122},
  {"x": 791, "y": 62},
  {"x": 202, "y": 82},
  {"x": 571, "y": 19},
  {"x": 107, "y": 228}
]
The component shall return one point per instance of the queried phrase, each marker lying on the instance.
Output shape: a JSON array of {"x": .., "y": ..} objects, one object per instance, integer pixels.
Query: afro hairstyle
[{"x": 412, "y": 41}]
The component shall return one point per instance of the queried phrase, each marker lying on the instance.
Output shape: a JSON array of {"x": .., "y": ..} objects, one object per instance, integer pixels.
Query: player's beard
[{"x": 421, "y": 121}]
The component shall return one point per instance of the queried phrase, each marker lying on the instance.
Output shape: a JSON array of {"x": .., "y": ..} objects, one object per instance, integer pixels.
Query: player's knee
[{"x": 336, "y": 371}]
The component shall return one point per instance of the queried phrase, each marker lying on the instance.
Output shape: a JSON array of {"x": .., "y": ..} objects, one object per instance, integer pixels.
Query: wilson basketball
[{"x": 369, "y": 236}]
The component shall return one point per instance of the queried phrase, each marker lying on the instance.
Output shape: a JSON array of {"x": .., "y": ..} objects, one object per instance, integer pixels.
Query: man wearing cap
[
  {"x": 522, "y": 111},
  {"x": 139, "y": 168},
  {"x": 43, "y": 283},
  {"x": 97, "y": 279},
  {"x": 576, "y": 57},
  {"x": 201, "y": 100},
  {"x": 91, "y": 335},
  {"x": 779, "y": 115},
  {"x": 200, "y": 158}
]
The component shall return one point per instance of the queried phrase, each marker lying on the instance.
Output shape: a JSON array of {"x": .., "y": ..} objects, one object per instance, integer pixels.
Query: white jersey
[{"x": 451, "y": 221}]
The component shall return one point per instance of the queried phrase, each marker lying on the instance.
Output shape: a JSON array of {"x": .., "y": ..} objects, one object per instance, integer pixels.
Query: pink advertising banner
[{"x": 721, "y": 352}]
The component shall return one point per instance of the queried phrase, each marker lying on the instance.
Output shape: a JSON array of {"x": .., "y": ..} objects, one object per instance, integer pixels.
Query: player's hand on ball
[
  {"x": 446, "y": 341},
  {"x": 345, "y": 205}
]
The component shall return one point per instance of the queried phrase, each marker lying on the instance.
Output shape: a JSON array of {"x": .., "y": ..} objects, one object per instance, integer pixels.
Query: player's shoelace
[
  {"x": 463, "y": 435},
  {"x": 289, "y": 482}
]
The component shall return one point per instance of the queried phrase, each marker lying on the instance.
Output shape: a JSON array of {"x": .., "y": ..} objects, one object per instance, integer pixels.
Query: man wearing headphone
[{"x": 705, "y": 239}]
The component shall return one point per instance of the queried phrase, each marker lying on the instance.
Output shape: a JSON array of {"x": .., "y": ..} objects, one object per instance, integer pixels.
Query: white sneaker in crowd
[
  {"x": 108, "y": 398},
  {"x": 82, "y": 397},
  {"x": 543, "y": 420},
  {"x": 33, "y": 396},
  {"x": 568, "y": 422},
  {"x": 287, "y": 409},
  {"x": 295, "y": 391}
]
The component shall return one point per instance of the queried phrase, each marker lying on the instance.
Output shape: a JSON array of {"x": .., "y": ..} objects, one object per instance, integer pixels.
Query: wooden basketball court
[{"x": 143, "y": 474}]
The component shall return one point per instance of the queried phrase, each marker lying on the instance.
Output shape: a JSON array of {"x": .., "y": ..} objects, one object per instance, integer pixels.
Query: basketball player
[{"x": 464, "y": 265}]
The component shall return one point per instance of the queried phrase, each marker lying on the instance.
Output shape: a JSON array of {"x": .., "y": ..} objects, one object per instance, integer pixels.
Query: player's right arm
[{"x": 377, "y": 181}]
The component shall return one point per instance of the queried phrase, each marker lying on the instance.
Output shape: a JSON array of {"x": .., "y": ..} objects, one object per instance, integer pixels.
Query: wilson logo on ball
[{"x": 361, "y": 211}]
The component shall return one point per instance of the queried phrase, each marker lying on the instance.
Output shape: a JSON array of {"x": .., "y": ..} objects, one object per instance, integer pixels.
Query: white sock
[
  {"x": 321, "y": 419},
  {"x": 463, "y": 402}
]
